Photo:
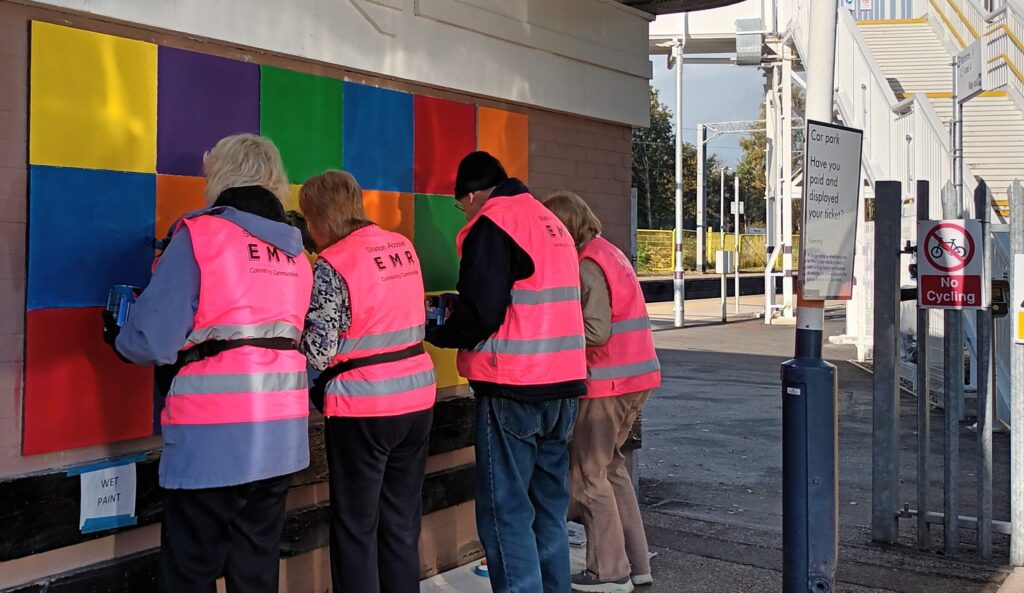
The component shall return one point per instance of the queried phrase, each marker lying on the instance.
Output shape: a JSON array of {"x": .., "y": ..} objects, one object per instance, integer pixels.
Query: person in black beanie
[{"x": 519, "y": 328}]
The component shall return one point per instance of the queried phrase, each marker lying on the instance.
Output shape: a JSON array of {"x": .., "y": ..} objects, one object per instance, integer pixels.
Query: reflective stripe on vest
[
  {"x": 541, "y": 339},
  {"x": 274, "y": 329},
  {"x": 385, "y": 281},
  {"x": 248, "y": 289},
  {"x": 627, "y": 362}
]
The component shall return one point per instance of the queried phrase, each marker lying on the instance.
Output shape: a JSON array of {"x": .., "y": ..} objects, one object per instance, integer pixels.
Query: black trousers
[
  {"x": 234, "y": 531},
  {"x": 377, "y": 467}
]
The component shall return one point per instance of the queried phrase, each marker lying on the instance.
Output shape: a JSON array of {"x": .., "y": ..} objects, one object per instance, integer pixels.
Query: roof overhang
[{"x": 673, "y": 6}]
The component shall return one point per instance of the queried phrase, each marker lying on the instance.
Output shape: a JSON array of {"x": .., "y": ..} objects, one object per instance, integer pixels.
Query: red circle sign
[{"x": 951, "y": 251}]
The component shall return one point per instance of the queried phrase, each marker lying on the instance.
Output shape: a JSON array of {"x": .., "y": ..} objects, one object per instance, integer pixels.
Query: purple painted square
[{"x": 201, "y": 99}]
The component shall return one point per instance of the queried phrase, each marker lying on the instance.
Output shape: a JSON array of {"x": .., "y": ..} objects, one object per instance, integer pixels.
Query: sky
[{"x": 712, "y": 93}]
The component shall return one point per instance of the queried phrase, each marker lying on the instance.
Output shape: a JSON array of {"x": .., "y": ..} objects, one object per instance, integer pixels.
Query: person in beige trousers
[{"x": 622, "y": 370}]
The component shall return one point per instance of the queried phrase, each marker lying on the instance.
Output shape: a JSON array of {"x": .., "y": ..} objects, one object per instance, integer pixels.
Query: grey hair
[{"x": 241, "y": 160}]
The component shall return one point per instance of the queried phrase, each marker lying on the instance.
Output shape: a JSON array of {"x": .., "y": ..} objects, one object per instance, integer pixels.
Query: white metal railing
[{"x": 1004, "y": 47}]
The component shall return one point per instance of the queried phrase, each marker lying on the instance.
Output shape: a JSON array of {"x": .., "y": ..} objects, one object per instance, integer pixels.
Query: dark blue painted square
[
  {"x": 378, "y": 137},
  {"x": 201, "y": 99},
  {"x": 88, "y": 230}
]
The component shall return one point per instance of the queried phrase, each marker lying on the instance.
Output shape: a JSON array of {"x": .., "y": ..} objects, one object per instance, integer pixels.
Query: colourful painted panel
[
  {"x": 390, "y": 210},
  {"x": 437, "y": 224},
  {"x": 505, "y": 135},
  {"x": 202, "y": 98},
  {"x": 176, "y": 196},
  {"x": 77, "y": 392},
  {"x": 89, "y": 230},
  {"x": 378, "y": 137},
  {"x": 445, "y": 132},
  {"x": 93, "y": 100},
  {"x": 301, "y": 113}
]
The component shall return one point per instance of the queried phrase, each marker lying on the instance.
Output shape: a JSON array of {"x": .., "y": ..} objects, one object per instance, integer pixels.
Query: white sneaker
[{"x": 642, "y": 579}]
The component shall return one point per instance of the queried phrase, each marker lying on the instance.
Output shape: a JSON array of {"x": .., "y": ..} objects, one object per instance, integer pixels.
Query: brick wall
[{"x": 590, "y": 158}]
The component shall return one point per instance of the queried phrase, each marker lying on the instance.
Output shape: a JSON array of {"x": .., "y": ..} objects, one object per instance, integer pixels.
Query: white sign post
[
  {"x": 832, "y": 159},
  {"x": 971, "y": 73},
  {"x": 951, "y": 265}
]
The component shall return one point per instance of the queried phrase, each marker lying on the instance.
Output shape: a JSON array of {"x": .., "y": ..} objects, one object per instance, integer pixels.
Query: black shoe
[{"x": 587, "y": 582}]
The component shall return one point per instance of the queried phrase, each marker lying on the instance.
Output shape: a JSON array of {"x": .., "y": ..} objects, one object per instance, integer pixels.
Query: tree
[
  {"x": 751, "y": 167},
  {"x": 654, "y": 162}
]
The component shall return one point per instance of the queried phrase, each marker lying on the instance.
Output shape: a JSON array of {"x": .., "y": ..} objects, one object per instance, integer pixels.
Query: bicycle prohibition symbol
[{"x": 949, "y": 247}]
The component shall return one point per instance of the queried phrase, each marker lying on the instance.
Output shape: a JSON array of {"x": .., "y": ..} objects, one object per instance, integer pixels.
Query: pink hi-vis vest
[
  {"x": 247, "y": 289},
  {"x": 541, "y": 340},
  {"x": 627, "y": 362},
  {"x": 382, "y": 271}
]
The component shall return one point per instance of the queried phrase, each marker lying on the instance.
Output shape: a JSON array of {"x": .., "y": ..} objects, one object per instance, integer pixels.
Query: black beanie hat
[{"x": 478, "y": 170}]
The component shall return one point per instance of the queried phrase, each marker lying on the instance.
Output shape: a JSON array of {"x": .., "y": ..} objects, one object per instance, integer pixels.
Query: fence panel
[{"x": 655, "y": 251}]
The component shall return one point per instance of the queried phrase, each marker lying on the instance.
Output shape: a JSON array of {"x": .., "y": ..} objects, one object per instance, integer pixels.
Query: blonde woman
[
  {"x": 364, "y": 330},
  {"x": 622, "y": 369},
  {"x": 224, "y": 311}
]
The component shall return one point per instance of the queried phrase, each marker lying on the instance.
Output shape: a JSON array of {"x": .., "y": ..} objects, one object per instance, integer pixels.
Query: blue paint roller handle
[{"x": 120, "y": 300}]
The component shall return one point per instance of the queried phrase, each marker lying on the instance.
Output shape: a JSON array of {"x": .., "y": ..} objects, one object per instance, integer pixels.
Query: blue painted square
[
  {"x": 88, "y": 230},
  {"x": 378, "y": 137}
]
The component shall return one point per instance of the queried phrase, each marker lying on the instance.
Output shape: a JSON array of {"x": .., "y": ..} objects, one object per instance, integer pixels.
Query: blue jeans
[{"x": 522, "y": 492}]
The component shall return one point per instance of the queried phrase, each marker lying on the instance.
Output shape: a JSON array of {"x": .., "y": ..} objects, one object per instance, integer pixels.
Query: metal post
[
  {"x": 724, "y": 290},
  {"x": 678, "y": 279},
  {"x": 885, "y": 450},
  {"x": 1016, "y": 196},
  {"x": 986, "y": 379},
  {"x": 924, "y": 397},
  {"x": 953, "y": 375},
  {"x": 958, "y": 141},
  {"x": 702, "y": 138},
  {"x": 785, "y": 191},
  {"x": 736, "y": 242},
  {"x": 810, "y": 534},
  {"x": 632, "y": 226}
]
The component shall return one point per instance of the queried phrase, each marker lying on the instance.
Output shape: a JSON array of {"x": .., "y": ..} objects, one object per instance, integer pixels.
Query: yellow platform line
[
  {"x": 894, "y": 22},
  {"x": 948, "y": 95}
]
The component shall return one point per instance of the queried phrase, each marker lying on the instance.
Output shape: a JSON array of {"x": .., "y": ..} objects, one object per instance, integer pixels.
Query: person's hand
[{"x": 110, "y": 328}]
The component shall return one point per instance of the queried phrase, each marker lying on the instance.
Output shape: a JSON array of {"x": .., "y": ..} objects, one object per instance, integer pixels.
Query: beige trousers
[{"x": 601, "y": 490}]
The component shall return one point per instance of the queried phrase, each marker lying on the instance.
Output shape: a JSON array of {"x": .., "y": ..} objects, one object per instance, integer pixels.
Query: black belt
[
  {"x": 166, "y": 373},
  {"x": 318, "y": 390}
]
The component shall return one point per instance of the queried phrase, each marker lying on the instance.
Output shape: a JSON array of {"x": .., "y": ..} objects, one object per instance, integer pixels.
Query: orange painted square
[
  {"x": 505, "y": 135},
  {"x": 390, "y": 210},
  {"x": 175, "y": 196}
]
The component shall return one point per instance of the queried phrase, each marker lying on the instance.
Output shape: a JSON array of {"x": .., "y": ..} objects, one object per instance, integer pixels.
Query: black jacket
[{"x": 491, "y": 264}]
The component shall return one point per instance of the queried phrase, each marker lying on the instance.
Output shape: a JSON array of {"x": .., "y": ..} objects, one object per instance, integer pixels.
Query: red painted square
[
  {"x": 77, "y": 392},
  {"x": 445, "y": 131}
]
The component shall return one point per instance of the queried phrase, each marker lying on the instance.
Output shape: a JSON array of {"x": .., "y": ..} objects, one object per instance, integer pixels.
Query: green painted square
[
  {"x": 437, "y": 224},
  {"x": 301, "y": 113}
]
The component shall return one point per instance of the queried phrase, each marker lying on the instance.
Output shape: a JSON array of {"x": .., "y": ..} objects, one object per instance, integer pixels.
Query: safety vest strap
[
  {"x": 238, "y": 383},
  {"x": 536, "y": 346},
  {"x": 363, "y": 388}
]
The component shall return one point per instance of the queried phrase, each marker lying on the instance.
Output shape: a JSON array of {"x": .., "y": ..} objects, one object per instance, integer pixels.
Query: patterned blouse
[{"x": 330, "y": 314}]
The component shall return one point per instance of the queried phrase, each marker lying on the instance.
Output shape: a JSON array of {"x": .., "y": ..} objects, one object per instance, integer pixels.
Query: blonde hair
[
  {"x": 242, "y": 160},
  {"x": 332, "y": 203},
  {"x": 575, "y": 214}
]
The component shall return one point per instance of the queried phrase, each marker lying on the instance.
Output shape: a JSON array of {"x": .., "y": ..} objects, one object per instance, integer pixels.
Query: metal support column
[
  {"x": 785, "y": 189},
  {"x": 885, "y": 450},
  {"x": 724, "y": 290},
  {"x": 986, "y": 379},
  {"x": 736, "y": 242},
  {"x": 702, "y": 139},
  {"x": 924, "y": 397},
  {"x": 810, "y": 517},
  {"x": 678, "y": 278},
  {"x": 953, "y": 375},
  {"x": 1016, "y": 196}
]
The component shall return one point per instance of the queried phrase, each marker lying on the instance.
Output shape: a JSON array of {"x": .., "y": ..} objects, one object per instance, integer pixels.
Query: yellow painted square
[
  {"x": 294, "y": 203},
  {"x": 444, "y": 364},
  {"x": 93, "y": 100},
  {"x": 1020, "y": 327}
]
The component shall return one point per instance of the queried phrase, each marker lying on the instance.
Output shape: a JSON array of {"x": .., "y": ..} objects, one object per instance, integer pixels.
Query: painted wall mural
[{"x": 117, "y": 132}]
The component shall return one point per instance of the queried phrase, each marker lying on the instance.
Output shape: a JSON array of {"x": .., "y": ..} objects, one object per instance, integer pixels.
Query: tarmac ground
[{"x": 710, "y": 470}]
